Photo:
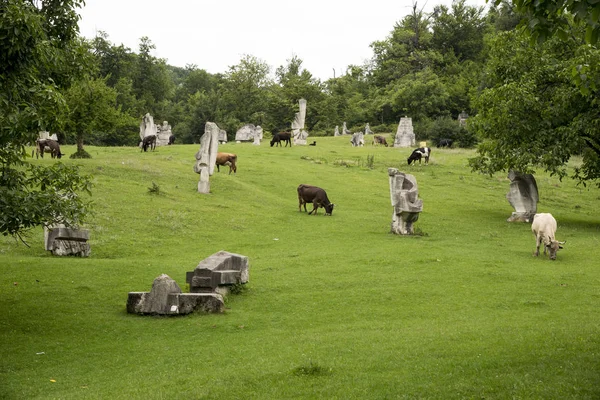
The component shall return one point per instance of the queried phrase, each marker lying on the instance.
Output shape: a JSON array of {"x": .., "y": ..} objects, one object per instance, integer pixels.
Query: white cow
[{"x": 544, "y": 229}]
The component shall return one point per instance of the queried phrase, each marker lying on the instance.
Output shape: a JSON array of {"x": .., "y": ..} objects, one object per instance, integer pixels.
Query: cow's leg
[
  {"x": 538, "y": 241},
  {"x": 315, "y": 208},
  {"x": 218, "y": 170}
]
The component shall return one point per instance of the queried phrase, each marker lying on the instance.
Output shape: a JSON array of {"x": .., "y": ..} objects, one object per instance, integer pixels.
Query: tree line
[{"x": 526, "y": 72}]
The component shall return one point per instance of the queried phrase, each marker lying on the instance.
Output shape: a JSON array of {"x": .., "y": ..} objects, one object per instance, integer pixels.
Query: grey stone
[
  {"x": 245, "y": 133},
  {"x": 158, "y": 300},
  {"x": 177, "y": 303},
  {"x": 405, "y": 136},
  {"x": 299, "y": 135},
  {"x": 222, "y": 136},
  {"x": 336, "y": 132},
  {"x": 206, "y": 157},
  {"x": 368, "y": 130},
  {"x": 67, "y": 241},
  {"x": 345, "y": 131},
  {"x": 220, "y": 269},
  {"x": 407, "y": 206},
  {"x": 163, "y": 133},
  {"x": 523, "y": 196},
  {"x": 358, "y": 139}
]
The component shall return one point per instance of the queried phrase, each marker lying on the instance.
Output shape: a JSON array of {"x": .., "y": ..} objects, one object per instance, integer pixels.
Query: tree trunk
[{"x": 80, "y": 143}]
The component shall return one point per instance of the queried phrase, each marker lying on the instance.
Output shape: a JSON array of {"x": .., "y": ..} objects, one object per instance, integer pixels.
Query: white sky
[{"x": 215, "y": 34}]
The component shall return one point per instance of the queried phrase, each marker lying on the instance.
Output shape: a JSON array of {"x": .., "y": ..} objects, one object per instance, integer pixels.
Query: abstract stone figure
[
  {"x": 163, "y": 133},
  {"x": 64, "y": 241},
  {"x": 298, "y": 132},
  {"x": 207, "y": 156},
  {"x": 407, "y": 206},
  {"x": 258, "y": 135},
  {"x": 222, "y": 136},
  {"x": 405, "y": 136},
  {"x": 337, "y": 131},
  {"x": 245, "y": 133},
  {"x": 147, "y": 127},
  {"x": 358, "y": 139},
  {"x": 218, "y": 273},
  {"x": 523, "y": 196},
  {"x": 345, "y": 131},
  {"x": 46, "y": 135},
  {"x": 368, "y": 130},
  {"x": 166, "y": 298}
]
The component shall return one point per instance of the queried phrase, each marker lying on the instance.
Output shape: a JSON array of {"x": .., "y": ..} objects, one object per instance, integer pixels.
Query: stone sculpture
[
  {"x": 405, "y": 200},
  {"x": 222, "y": 136},
  {"x": 358, "y": 139},
  {"x": 46, "y": 135},
  {"x": 166, "y": 298},
  {"x": 206, "y": 157},
  {"x": 247, "y": 133},
  {"x": 218, "y": 273},
  {"x": 163, "y": 133},
  {"x": 405, "y": 136},
  {"x": 523, "y": 196},
  {"x": 337, "y": 131},
  {"x": 345, "y": 131},
  {"x": 298, "y": 132},
  {"x": 258, "y": 135},
  {"x": 368, "y": 130},
  {"x": 147, "y": 127},
  {"x": 67, "y": 241}
]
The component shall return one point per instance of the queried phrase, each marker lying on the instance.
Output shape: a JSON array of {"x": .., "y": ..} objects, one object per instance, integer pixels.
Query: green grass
[{"x": 336, "y": 307}]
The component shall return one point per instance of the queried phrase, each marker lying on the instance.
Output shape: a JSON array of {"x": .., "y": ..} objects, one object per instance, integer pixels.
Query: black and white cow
[{"x": 417, "y": 154}]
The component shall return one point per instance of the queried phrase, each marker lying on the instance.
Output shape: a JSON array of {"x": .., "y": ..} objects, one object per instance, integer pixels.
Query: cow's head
[
  {"x": 329, "y": 208},
  {"x": 553, "y": 247}
]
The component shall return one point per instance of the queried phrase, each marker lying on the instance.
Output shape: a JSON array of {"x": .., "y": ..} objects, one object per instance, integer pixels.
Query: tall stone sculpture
[
  {"x": 258, "y": 135},
  {"x": 163, "y": 133},
  {"x": 147, "y": 127},
  {"x": 345, "y": 130},
  {"x": 368, "y": 130},
  {"x": 523, "y": 196},
  {"x": 405, "y": 136},
  {"x": 462, "y": 118},
  {"x": 405, "y": 200},
  {"x": 298, "y": 132},
  {"x": 336, "y": 132},
  {"x": 206, "y": 157}
]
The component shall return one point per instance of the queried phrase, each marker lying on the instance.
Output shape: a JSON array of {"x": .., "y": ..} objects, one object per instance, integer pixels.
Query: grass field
[{"x": 336, "y": 307}]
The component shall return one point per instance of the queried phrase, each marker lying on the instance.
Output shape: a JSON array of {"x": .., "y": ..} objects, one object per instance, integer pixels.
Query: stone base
[
  {"x": 521, "y": 217},
  {"x": 178, "y": 303},
  {"x": 63, "y": 241},
  {"x": 301, "y": 142}
]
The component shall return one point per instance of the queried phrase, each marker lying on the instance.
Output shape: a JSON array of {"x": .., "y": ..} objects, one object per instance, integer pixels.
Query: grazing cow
[
  {"x": 171, "y": 139},
  {"x": 544, "y": 229},
  {"x": 417, "y": 154},
  {"x": 227, "y": 159},
  {"x": 282, "y": 137},
  {"x": 50, "y": 145},
  {"x": 314, "y": 143},
  {"x": 377, "y": 139},
  {"x": 445, "y": 143},
  {"x": 149, "y": 142},
  {"x": 316, "y": 196}
]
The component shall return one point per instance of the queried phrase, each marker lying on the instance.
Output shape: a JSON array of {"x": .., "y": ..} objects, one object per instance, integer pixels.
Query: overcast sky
[{"x": 215, "y": 34}]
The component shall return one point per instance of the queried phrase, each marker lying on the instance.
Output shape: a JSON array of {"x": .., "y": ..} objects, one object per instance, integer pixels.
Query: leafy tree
[
  {"x": 533, "y": 113},
  {"x": 152, "y": 82},
  {"x": 39, "y": 55},
  {"x": 93, "y": 108}
]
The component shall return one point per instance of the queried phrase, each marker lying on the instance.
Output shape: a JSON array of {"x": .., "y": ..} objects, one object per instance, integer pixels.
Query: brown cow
[
  {"x": 316, "y": 196},
  {"x": 227, "y": 159},
  {"x": 377, "y": 139},
  {"x": 50, "y": 145}
]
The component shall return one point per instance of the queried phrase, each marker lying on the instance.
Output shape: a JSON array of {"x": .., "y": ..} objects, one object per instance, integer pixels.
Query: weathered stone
[
  {"x": 156, "y": 301},
  {"x": 202, "y": 302},
  {"x": 358, "y": 139},
  {"x": 64, "y": 241},
  {"x": 245, "y": 133},
  {"x": 206, "y": 157},
  {"x": 336, "y": 132},
  {"x": 163, "y": 133},
  {"x": 220, "y": 269},
  {"x": 222, "y": 136},
  {"x": 298, "y": 133},
  {"x": 147, "y": 127},
  {"x": 404, "y": 194},
  {"x": 523, "y": 196},
  {"x": 368, "y": 130},
  {"x": 405, "y": 136},
  {"x": 462, "y": 118},
  {"x": 345, "y": 131},
  {"x": 258, "y": 135}
]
